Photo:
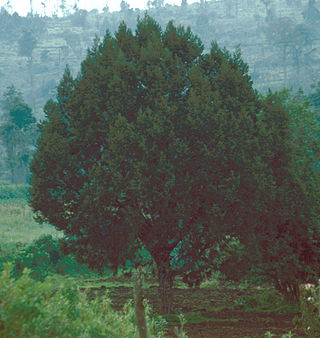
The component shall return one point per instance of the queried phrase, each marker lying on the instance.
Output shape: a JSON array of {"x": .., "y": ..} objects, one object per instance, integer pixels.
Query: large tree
[{"x": 153, "y": 142}]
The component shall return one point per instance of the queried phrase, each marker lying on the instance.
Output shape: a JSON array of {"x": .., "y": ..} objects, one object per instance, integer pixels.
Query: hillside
[{"x": 279, "y": 39}]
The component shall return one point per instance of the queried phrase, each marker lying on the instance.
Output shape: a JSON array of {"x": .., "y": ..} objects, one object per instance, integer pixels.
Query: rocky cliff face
[{"x": 279, "y": 39}]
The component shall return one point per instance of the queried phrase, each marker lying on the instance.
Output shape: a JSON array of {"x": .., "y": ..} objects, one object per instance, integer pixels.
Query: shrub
[
  {"x": 229, "y": 257},
  {"x": 310, "y": 309},
  {"x": 44, "y": 257},
  {"x": 56, "y": 308},
  {"x": 213, "y": 282},
  {"x": 40, "y": 257}
]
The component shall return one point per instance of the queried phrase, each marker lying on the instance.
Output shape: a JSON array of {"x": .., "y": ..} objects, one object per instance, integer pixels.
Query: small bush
[
  {"x": 44, "y": 257},
  {"x": 40, "y": 257},
  {"x": 230, "y": 258},
  {"x": 310, "y": 309},
  {"x": 56, "y": 308},
  {"x": 213, "y": 282}
]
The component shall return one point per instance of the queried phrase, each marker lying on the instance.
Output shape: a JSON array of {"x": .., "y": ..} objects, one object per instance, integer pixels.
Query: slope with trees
[{"x": 64, "y": 40}]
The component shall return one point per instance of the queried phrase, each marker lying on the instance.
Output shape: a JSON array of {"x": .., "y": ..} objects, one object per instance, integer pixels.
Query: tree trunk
[
  {"x": 285, "y": 66},
  {"x": 165, "y": 285},
  {"x": 138, "y": 302},
  {"x": 12, "y": 175}
]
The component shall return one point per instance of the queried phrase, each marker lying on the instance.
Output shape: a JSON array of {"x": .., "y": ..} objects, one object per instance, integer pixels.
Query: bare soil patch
[{"x": 210, "y": 312}]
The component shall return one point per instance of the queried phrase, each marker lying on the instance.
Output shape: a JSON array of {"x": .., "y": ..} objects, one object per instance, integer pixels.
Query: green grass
[
  {"x": 11, "y": 191},
  {"x": 197, "y": 318},
  {"x": 17, "y": 224},
  {"x": 268, "y": 301},
  {"x": 108, "y": 285},
  {"x": 99, "y": 282}
]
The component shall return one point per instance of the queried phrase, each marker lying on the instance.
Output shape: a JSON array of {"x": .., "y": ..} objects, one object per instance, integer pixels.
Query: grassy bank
[
  {"x": 28, "y": 244},
  {"x": 17, "y": 224}
]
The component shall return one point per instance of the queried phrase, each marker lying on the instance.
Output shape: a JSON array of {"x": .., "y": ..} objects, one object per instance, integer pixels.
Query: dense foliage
[
  {"x": 161, "y": 145},
  {"x": 56, "y": 308}
]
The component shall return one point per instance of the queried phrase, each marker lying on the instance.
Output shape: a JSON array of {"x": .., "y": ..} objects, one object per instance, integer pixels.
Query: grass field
[{"x": 17, "y": 224}]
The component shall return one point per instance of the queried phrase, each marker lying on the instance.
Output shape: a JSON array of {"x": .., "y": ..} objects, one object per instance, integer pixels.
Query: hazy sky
[{"x": 23, "y": 6}]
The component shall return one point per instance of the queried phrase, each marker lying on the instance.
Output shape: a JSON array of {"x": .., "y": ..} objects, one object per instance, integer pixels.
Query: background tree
[
  {"x": 63, "y": 7},
  {"x": 184, "y": 3},
  {"x": 26, "y": 44},
  {"x": 155, "y": 3},
  {"x": 8, "y": 6},
  {"x": 31, "y": 7},
  {"x": 153, "y": 143},
  {"x": 269, "y": 10},
  {"x": 18, "y": 134},
  {"x": 44, "y": 6},
  {"x": 10, "y": 98},
  {"x": 79, "y": 18},
  {"x": 124, "y": 6},
  {"x": 280, "y": 35},
  {"x": 231, "y": 7},
  {"x": 293, "y": 41},
  {"x": 311, "y": 12},
  {"x": 315, "y": 98},
  {"x": 73, "y": 40},
  {"x": 287, "y": 237},
  {"x": 21, "y": 115},
  {"x": 106, "y": 9},
  {"x": 301, "y": 45}
]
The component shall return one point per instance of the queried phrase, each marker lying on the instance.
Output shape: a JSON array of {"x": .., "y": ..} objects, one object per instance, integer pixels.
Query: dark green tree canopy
[
  {"x": 21, "y": 115},
  {"x": 16, "y": 110},
  {"x": 153, "y": 142}
]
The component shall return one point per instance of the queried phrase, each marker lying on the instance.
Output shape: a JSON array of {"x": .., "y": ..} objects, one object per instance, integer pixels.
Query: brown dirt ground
[{"x": 215, "y": 310}]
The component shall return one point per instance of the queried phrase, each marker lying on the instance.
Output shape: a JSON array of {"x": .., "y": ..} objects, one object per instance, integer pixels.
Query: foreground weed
[
  {"x": 310, "y": 309},
  {"x": 179, "y": 332},
  {"x": 56, "y": 308}
]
